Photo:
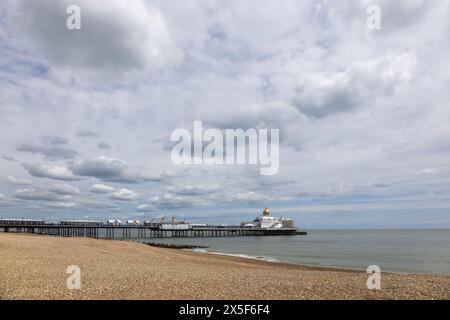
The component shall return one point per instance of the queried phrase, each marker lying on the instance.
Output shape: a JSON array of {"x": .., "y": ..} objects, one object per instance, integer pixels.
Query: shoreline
[
  {"x": 34, "y": 267},
  {"x": 311, "y": 266}
]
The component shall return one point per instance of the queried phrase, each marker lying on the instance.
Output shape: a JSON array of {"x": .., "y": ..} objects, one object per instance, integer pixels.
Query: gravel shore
[{"x": 34, "y": 267}]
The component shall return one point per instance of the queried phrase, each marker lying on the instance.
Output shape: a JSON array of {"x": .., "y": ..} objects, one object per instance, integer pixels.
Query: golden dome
[{"x": 266, "y": 211}]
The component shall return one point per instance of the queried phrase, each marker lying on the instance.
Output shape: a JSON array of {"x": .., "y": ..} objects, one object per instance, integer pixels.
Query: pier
[
  {"x": 136, "y": 232},
  {"x": 264, "y": 225}
]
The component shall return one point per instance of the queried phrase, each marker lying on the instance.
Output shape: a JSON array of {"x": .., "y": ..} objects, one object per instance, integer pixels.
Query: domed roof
[{"x": 266, "y": 211}]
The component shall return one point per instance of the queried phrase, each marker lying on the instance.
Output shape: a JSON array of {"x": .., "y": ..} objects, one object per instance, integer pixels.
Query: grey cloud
[
  {"x": 51, "y": 152},
  {"x": 6, "y": 201},
  {"x": 85, "y": 133},
  {"x": 165, "y": 144},
  {"x": 326, "y": 97},
  {"x": 38, "y": 195},
  {"x": 119, "y": 37},
  {"x": 98, "y": 205},
  {"x": 111, "y": 170},
  {"x": 55, "y": 140},
  {"x": 103, "y": 145},
  {"x": 3, "y": 35},
  {"x": 398, "y": 15},
  {"x": 274, "y": 115},
  {"x": 8, "y": 158}
]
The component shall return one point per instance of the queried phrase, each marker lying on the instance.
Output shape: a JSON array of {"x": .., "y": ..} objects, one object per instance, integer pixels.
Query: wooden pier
[{"x": 136, "y": 232}]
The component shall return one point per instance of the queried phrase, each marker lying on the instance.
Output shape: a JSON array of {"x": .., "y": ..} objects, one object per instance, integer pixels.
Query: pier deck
[{"x": 130, "y": 232}]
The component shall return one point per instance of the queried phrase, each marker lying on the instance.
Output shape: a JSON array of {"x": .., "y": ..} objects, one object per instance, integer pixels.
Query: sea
[{"x": 404, "y": 251}]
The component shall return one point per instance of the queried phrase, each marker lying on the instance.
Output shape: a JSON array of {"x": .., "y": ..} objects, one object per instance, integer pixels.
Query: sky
[{"x": 86, "y": 115}]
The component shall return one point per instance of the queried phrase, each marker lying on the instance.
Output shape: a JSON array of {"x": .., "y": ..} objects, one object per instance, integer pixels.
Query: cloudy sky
[{"x": 86, "y": 115}]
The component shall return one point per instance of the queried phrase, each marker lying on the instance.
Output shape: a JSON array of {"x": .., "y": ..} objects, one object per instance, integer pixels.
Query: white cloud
[
  {"x": 101, "y": 188},
  {"x": 62, "y": 205},
  {"x": 124, "y": 195},
  {"x": 64, "y": 189},
  {"x": 17, "y": 181},
  {"x": 189, "y": 190},
  {"x": 51, "y": 172},
  {"x": 358, "y": 86},
  {"x": 145, "y": 208},
  {"x": 254, "y": 197}
]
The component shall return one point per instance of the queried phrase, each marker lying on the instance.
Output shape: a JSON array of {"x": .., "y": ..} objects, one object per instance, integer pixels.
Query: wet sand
[{"x": 34, "y": 267}]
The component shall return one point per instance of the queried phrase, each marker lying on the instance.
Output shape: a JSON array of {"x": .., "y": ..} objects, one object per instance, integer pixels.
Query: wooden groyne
[{"x": 173, "y": 246}]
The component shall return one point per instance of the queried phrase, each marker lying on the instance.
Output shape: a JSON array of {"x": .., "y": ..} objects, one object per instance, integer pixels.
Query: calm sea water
[{"x": 410, "y": 251}]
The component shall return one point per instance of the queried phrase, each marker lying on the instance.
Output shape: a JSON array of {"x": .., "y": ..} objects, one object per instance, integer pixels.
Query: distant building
[
  {"x": 133, "y": 222},
  {"x": 268, "y": 222},
  {"x": 152, "y": 224},
  {"x": 84, "y": 223},
  {"x": 21, "y": 222},
  {"x": 114, "y": 223},
  {"x": 287, "y": 223},
  {"x": 199, "y": 225},
  {"x": 175, "y": 226}
]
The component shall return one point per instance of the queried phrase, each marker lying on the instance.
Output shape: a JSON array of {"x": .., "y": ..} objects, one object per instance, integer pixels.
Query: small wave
[{"x": 239, "y": 255}]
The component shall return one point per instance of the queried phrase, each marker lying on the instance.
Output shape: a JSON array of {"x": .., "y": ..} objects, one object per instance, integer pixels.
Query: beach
[{"x": 34, "y": 267}]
